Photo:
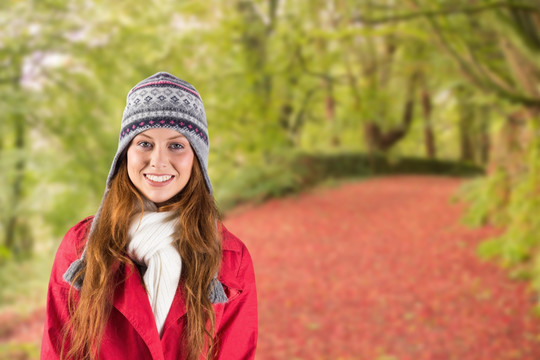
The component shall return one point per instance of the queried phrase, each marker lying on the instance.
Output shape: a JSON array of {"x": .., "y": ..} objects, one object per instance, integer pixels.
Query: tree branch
[
  {"x": 449, "y": 11},
  {"x": 303, "y": 65}
]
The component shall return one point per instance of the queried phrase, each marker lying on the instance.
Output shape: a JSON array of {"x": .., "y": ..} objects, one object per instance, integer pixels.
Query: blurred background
[{"x": 296, "y": 93}]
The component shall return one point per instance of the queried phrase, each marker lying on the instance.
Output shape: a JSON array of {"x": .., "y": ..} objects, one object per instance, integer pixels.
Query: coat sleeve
[
  {"x": 237, "y": 334},
  {"x": 57, "y": 313}
]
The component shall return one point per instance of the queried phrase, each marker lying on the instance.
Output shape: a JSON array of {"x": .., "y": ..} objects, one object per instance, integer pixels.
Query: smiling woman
[{"x": 154, "y": 275}]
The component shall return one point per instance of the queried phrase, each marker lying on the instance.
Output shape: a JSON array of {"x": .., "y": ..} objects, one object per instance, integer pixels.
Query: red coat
[{"x": 131, "y": 332}]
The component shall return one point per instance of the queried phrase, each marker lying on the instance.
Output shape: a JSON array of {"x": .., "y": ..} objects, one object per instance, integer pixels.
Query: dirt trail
[{"x": 379, "y": 269}]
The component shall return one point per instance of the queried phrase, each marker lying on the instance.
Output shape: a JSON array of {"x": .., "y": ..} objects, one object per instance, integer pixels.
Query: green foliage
[
  {"x": 24, "y": 283},
  {"x": 513, "y": 203},
  {"x": 258, "y": 179},
  {"x": 5, "y": 254},
  {"x": 19, "y": 351},
  {"x": 486, "y": 198}
]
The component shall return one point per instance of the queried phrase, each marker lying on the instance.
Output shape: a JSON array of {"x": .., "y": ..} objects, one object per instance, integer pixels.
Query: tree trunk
[
  {"x": 466, "y": 122},
  {"x": 466, "y": 146},
  {"x": 330, "y": 109},
  {"x": 254, "y": 41},
  {"x": 383, "y": 141},
  {"x": 485, "y": 139},
  {"x": 13, "y": 219},
  {"x": 429, "y": 136}
]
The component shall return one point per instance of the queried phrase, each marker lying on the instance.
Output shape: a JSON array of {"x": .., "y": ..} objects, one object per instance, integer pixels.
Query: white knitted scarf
[{"x": 151, "y": 244}]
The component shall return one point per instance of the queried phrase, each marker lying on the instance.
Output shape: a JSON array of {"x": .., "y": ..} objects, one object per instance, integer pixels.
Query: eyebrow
[{"x": 171, "y": 138}]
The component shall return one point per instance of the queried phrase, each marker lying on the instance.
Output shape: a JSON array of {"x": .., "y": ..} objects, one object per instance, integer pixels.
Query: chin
[
  {"x": 159, "y": 200},
  {"x": 162, "y": 199}
]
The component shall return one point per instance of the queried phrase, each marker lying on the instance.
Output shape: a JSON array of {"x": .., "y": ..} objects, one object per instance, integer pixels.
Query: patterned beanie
[
  {"x": 160, "y": 101},
  {"x": 165, "y": 101}
]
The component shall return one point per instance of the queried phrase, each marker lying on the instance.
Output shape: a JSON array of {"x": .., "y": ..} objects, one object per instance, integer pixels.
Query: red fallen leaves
[
  {"x": 17, "y": 329},
  {"x": 381, "y": 269}
]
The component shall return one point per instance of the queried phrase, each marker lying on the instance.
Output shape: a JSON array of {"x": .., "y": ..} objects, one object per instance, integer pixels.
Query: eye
[
  {"x": 176, "y": 146},
  {"x": 144, "y": 144}
]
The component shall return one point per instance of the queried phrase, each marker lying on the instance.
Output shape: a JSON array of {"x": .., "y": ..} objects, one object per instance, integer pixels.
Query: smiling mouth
[{"x": 158, "y": 178}]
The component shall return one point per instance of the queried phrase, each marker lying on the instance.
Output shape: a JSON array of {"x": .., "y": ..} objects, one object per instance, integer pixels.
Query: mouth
[{"x": 158, "y": 179}]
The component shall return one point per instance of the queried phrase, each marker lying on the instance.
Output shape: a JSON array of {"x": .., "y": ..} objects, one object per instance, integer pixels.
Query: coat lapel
[
  {"x": 177, "y": 310},
  {"x": 131, "y": 300}
]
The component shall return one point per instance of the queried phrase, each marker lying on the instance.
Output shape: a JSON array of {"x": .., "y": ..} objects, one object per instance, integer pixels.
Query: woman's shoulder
[
  {"x": 236, "y": 265},
  {"x": 230, "y": 242},
  {"x": 75, "y": 238},
  {"x": 70, "y": 249}
]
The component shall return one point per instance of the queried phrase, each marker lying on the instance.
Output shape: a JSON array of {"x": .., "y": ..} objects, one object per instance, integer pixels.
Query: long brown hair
[{"x": 199, "y": 245}]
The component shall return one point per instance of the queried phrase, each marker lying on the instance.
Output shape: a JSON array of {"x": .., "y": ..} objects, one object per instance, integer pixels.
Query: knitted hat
[
  {"x": 165, "y": 101},
  {"x": 160, "y": 101}
]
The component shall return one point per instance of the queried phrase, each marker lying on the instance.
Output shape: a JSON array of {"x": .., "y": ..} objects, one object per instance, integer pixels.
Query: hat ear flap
[{"x": 217, "y": 293}]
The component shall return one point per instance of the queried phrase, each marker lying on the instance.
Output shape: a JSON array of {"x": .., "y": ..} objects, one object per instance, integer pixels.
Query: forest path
[
  {"x": 381, "y": 269},
  {"x": 372, "y": 270}
]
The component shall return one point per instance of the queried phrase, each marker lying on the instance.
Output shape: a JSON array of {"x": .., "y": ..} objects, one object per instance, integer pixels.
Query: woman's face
[{"x": 159, "y": 163}]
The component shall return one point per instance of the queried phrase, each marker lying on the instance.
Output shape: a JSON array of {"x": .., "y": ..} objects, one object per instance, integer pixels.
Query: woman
[{"x": 154, "y": 275}]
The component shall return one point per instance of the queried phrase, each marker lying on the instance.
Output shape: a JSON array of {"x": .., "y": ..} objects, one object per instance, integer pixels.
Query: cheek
[
  {"x": 133, "y": 162},
  {"x": 184, "y": 163},
  {"x": 188, "y": 164}
]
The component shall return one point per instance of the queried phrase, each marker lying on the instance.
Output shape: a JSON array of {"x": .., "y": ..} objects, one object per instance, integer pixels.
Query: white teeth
[{"x": 158, "y": 178}]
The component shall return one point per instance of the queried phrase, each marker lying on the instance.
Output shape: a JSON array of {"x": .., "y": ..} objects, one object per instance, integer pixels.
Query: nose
[{"x": 158, "y": 158}]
